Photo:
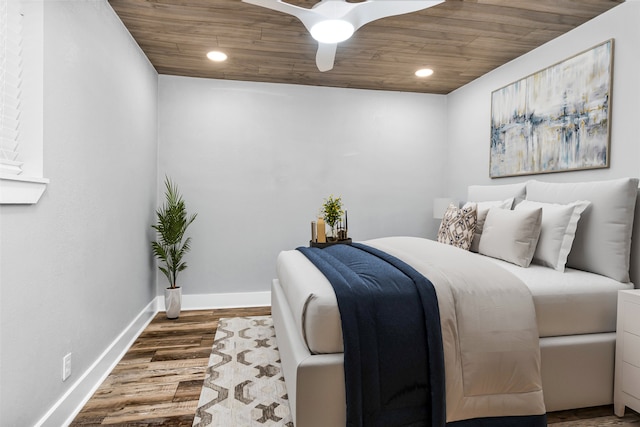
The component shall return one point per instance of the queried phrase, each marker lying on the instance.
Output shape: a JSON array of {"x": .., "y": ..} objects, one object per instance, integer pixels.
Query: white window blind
[
  {"x": 10, "y": 87},
  {"x": 21, "y": 101}
]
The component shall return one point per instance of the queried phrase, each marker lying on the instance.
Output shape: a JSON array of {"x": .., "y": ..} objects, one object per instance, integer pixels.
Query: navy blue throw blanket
[{"x": 393, "y": 355}]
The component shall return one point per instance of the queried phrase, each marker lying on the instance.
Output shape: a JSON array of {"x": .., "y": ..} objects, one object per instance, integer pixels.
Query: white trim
[
  {"x": 21, "y": 189},
  {"x": 69, "y": 405},
  {"x": 211, "y": 301}
]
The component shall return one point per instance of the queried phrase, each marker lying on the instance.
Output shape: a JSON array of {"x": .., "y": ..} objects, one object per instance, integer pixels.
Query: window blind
[{"x": 10, "y": 87}]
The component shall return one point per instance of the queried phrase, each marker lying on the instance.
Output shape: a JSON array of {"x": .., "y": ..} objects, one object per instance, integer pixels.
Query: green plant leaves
[
  {"x": 332, "y": 210},
  {"x": 172, "y": 223}
]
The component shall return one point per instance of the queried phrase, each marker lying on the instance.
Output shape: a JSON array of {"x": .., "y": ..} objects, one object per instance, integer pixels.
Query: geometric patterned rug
[{"x": 243, "y": 385}]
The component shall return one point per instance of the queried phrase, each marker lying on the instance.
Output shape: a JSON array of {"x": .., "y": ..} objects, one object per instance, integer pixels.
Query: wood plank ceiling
[{"x": 459, "y": 39}]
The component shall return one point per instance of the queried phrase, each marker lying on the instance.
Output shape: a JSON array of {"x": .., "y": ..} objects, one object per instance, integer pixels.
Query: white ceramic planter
[{"x": 173, "y": 302}]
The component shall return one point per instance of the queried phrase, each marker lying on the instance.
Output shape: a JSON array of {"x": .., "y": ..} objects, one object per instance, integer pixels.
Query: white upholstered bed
[{"x": 575, "y": 309}]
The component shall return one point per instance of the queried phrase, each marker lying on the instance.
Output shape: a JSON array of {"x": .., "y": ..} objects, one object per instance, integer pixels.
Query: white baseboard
[
  {"x": 69, "y": 405},
  {"x": 210, "y": 301}
]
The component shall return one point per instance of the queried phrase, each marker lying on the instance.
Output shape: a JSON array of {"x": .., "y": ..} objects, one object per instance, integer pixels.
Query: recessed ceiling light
[
  {"x": 217, "y": 56},
  {"x": 424, "y": 72}
]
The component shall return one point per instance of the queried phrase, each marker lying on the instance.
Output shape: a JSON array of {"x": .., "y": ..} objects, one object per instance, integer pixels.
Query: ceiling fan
[{"x": 333, "y": 21}]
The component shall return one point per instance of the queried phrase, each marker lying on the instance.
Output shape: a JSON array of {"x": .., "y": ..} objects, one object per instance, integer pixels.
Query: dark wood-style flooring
[{"x": 159, "y": 379}]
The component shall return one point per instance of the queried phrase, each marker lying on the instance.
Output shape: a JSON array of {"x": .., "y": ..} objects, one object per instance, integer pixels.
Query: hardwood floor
[
  {"x": 159, "y": 379},
  {"x": 592, "y": 417}
]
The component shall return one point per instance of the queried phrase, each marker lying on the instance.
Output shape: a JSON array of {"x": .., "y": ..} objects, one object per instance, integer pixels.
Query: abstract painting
[{"x": 555, "y": 120}]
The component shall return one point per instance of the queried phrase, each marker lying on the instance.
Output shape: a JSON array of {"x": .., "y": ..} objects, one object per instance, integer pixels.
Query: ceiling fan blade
[
  {"x": 326, "y": 55},
  {"x": 307, "y": 16},
  {"x": 357, "y": 14},
  {"x": 372, "y": 10}
]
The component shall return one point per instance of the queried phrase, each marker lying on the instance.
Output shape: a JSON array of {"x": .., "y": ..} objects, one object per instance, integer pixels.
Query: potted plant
[
  {"x": 332, "y": 213},
  {"x": 170, "y": 248}
]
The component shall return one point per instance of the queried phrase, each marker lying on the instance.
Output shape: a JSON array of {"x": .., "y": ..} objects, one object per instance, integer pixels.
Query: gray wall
[
  {"x": 256, "y": 160},
  {"x": 76, "y": 268},
  {"x": 469, "y": 108}
]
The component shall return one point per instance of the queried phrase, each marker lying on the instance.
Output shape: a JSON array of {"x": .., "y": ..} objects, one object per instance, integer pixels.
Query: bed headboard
[
  {"x": 603, "y": 238},
  {"x": 634, "y": 270}
]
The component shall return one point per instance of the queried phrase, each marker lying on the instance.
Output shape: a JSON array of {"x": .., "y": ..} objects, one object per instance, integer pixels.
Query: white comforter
[
  {"x": 490, "y": 337},
  {"x": 489, "y": 332}
]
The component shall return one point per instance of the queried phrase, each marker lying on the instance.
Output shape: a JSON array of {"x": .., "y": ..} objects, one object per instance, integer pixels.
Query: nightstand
[{"x": 627, "y": 380}]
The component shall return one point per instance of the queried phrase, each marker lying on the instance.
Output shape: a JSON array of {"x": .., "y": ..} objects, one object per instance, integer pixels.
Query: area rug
[{"x": 243, "y": 385}]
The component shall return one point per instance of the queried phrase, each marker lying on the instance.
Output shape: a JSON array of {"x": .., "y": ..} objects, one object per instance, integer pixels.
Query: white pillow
[
  {"x": 511, "y": 236},
  {"x": 559, "y": 223},
  {"x": 603, "y": 239},
  {"x": 483, "y": 209}
]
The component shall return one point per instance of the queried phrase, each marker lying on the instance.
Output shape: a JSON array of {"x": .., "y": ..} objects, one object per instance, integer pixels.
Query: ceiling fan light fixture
[
  {"x": 332, "y": 31},
  {"x": 424, "y": 72},
  {"x": 217, "y": 56}
]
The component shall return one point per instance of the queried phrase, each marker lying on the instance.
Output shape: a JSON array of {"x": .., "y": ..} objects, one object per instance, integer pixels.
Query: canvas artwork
[{"x": 555, "y": 120}]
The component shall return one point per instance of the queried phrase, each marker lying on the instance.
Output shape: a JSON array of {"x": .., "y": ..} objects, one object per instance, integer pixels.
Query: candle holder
[
  {"x": 340, "y": 230},
  {"x": 342, "y": 234}
]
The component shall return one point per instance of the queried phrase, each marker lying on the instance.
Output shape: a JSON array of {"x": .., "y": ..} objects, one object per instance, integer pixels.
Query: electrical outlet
[{"x": 66, "y": 367}]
